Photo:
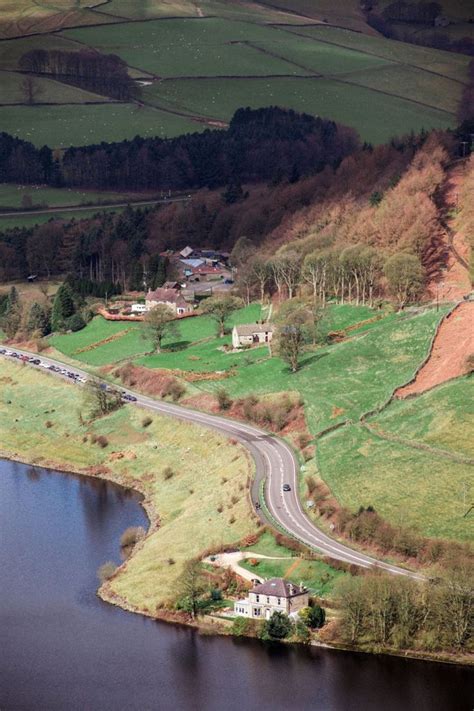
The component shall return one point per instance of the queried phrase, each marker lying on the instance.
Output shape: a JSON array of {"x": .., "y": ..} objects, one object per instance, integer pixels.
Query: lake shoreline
[{"x": 208, "y": 625}]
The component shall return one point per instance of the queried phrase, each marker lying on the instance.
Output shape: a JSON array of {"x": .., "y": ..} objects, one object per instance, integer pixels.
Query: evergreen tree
[
  {"x": 313, "y": 617},
  {"x": 278, "y": 626},
  {"x": 38, "y": 320},
  {"x": 63, "y": 307},
  {"x": 12, "y": 313}
]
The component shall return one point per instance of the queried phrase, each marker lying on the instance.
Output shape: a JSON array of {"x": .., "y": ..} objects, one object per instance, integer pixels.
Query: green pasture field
[
  {"x": 319, "y": 57},
  {"x": 11, "y": 196},
  {"x": 339, "y": 12},
  {"x": 7, "y": 223},
  {"x": 11, "y": 50},
  {"x": 449, "y": 64},
  {"x": 338, "y": 382},
  {"x": 189, "y": 47},
  {"x": 347, "y": 379},
  {"x": 147, "y": 9},
  {"x": 49, "y": 91},
  {"x": 317, "y": 576},
  {"x": 410, "y": 83},
  {"x": 63, "y": 126},
  {"x": 349, "y": 104},
  {"x": 442, "y": 417},
  {"x": 196, "y": 339},
  {"x": 405, "y": 485},
  {"x": 22, "y": 17},
  {"x": 150, "y": 9},
  {"x": 267, "y": 545}
]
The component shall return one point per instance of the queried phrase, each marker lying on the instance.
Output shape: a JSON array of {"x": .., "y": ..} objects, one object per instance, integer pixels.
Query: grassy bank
[
  {"x": 39, "y": 421},
  {"x": 410, "y": 481},
  {"x": 338, "y": 382}
]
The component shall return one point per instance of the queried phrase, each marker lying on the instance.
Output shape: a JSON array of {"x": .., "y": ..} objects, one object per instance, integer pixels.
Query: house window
[
  {"x": 256, "y": 611},
  {"x": 257, "y": 598},
  {"x": 278, "y": 601},
  {"x": 268, "y": 600}
]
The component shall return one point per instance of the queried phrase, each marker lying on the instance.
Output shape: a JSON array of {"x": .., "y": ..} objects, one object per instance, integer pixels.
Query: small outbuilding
[{"x": 251, "y": 334}]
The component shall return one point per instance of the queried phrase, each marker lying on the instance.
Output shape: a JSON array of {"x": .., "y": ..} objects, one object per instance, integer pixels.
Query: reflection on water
[{"x": 61, "y": 648}]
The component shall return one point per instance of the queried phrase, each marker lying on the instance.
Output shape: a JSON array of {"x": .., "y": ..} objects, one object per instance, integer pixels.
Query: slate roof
[
  {"x": 279, "y": 588},
  {"x": 193, "y": 263},
  {"x": 165, "y": 295},
  {"x": 248, "y": 329}
]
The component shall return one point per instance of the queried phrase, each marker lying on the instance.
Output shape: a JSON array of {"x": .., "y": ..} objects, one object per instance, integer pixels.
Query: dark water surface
[{"x": 62, "y": 648}]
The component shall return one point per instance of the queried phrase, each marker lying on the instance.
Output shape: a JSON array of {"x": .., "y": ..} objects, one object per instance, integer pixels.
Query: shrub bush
[
  {"x": 224, "y": 400},
  {"x": 313, "y": 617},
  {"x": 106, "y": 571},
  {"x": 102, "y": 441},
  {"x": 279, "y": 626},
  {"x": 240, "y": 626},
  {"x": 146, "y": 422},
  {"x": 174, "y": 389},
  {"x": 75, "y": 323},
  {"x": 131, "y": 536},
  {"x": 168, "y": 473}
]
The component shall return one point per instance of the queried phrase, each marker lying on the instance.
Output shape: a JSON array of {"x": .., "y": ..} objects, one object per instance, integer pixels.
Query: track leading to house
[{"x": 275, "y": 465}]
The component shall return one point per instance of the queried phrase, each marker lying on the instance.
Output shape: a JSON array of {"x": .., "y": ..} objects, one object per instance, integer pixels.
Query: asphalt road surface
[{"x": 275, "y": 465}]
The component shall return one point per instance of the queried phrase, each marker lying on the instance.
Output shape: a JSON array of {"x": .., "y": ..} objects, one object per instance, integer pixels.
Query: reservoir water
[{"x": 61, "y": 648}]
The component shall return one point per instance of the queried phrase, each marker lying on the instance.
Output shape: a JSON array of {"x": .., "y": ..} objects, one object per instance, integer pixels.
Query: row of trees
[
  {"x": 391, "y": 19},
  {"x": 102, "y": 73},
  {"x": 64, "y": 312},
  {"x": 352, "y": 274},
  {"x": 399, "y": 613},
  {"x": 258, "y": 146},
  {"x": 125, "y": 248}
]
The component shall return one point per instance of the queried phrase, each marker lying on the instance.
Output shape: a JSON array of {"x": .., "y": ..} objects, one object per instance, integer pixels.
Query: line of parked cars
[{"x": 75, "y": 377}]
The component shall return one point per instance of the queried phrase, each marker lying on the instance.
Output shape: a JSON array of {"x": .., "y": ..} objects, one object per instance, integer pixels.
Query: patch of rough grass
[
  {"x": 442, "y": 417},
  {"x": 406, "y": 486},
  {"x": 186, "y": 504}
]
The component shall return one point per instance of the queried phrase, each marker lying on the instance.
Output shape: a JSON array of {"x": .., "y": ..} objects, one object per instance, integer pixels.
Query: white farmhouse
[
  {"x": 251, "y": 334},
  {"x": 275, "y": 595}
]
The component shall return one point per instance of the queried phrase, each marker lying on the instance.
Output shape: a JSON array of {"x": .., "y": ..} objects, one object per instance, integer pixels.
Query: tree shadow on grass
[
  {"x": 312, "y": 359},
  {"x": 177, "y": 346}
]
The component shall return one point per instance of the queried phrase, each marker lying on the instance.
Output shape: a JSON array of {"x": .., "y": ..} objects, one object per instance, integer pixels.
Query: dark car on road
[{"x": 286, "y": 487}]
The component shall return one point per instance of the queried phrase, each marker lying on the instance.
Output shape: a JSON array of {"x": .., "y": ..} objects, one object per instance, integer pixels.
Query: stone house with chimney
[
  {"x": 274, "y": 595},
  {"x": 171, "y": 298},
  {"x": 251, "y": 334}
]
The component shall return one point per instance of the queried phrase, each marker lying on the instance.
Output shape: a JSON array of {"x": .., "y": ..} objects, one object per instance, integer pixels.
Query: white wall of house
[
  {"x": 151, "y": 305},
  {"x": 262, "y": 607}
]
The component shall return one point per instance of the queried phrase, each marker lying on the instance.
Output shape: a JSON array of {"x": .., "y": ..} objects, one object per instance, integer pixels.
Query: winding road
[{"x": 275, "y": 465}]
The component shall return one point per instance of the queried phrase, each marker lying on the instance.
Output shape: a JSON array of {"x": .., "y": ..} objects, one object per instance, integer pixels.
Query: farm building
[
  {"x": 251, "y": 334},
  {"x": 168, "y": 297},
  {"x": 275, "y": 595}
]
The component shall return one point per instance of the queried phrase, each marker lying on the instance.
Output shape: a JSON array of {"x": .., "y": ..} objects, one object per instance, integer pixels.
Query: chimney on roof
[
  {"x": 291, "y": 589},
  {"x": 301, "y": 586}
]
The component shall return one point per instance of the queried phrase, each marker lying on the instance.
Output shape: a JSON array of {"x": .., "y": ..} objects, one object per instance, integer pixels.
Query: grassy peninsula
[{"x": 179, "y": 468}]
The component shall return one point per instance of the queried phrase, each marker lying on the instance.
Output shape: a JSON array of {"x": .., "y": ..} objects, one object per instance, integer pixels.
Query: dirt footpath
[{"x": 453, "y": 343}]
